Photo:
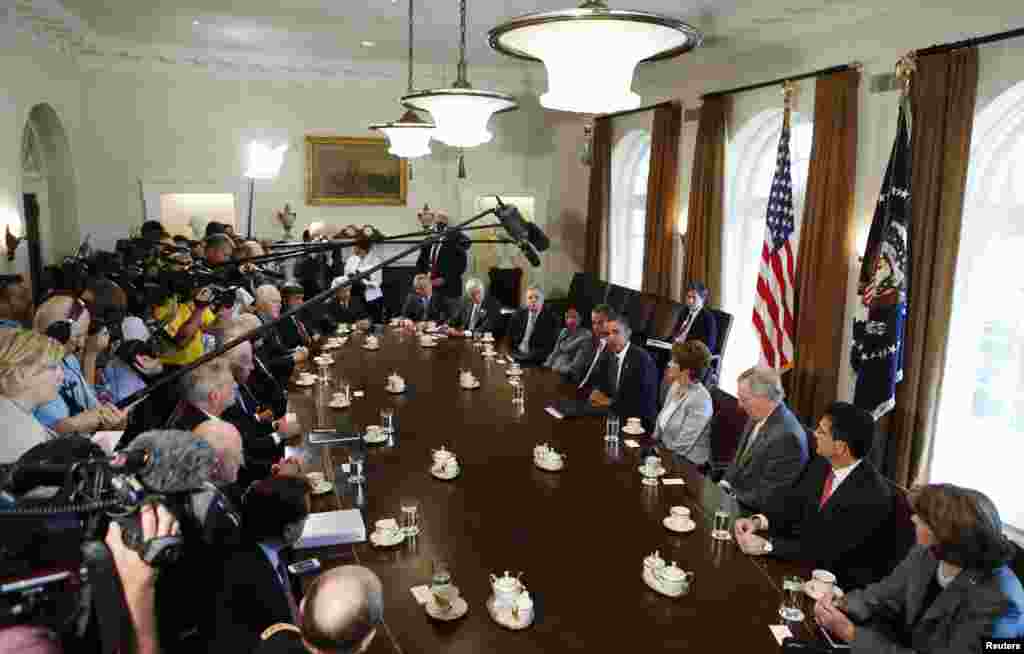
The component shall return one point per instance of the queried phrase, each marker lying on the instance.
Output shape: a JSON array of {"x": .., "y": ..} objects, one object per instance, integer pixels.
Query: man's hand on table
[{"x": 599, "y": 399}]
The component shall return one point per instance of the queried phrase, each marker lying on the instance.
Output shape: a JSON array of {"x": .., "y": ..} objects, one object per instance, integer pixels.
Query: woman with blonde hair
[
  {"x": 683, "y": 425},
  {"x": 30, "y": 375}
]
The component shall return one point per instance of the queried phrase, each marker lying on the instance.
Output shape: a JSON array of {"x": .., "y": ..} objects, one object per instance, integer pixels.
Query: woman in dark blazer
[{"x": 953, "y": 591}]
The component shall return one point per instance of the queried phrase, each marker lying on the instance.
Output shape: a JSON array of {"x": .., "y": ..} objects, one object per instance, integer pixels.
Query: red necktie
[
  {"x": 826, "y": 492},
  {"x": 433, "y": 264}
]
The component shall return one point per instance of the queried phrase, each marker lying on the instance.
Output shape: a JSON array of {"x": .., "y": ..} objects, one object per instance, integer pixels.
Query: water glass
[
  {"x": 793, "y": 593},
  {"x": 355, "y": 469},
  {"x": 518, "y": 392},
  {"x": 612, "y": 427},
  {"x": 721, "y": 525},
  {"x": 441, "y": 576},
  {"x": 387, "y": 421},
  {"x": 410, "y": 517}
]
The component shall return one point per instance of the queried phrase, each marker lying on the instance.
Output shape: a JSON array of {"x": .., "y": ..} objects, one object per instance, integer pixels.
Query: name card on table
[{"x": 673, "y": 481}]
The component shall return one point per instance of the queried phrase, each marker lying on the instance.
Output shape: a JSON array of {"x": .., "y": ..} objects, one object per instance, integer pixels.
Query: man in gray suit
[{"x": 773, "y": 451}]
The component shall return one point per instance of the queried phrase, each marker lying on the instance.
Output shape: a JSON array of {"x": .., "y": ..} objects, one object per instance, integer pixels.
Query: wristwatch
[{"x": 767, "y": 548}]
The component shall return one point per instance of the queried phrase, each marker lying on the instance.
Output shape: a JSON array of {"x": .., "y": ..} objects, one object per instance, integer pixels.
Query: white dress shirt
[
  {"x": 621, "y": 356},
  {"x": 597, "y": 355},
  {"x": 839, "y": 475},
  {"x": 671, "y": 404},
  {"x": 354, "y": 264}
]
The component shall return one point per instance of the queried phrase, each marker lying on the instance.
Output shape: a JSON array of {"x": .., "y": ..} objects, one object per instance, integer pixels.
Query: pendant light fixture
[
  {"x": 590, "y": 52},
  {"x": 460, "y": 111},
  {"x": 409, "y": 136}
]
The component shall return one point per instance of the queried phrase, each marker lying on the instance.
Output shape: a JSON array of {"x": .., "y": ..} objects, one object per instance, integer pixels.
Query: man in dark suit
[
  {"x": 696, "y": 323},
  {"x": 344, "y": 308},
  {"x": 279, "y": 359},
  {"x": 423, "y": 303},
  {"x": 533, "y": 330},
  {"x": 625, "y": 379},
  {"x": 297, "y": 331},
  {"x": 773, "y": 450},
  {"x": 841, "y": 515},
  {"x": 340, "y": 613},
  {"x": 445, "y": 260},
  {"x": 206, "y": 392},
  {"x": 479, "y": 311}
]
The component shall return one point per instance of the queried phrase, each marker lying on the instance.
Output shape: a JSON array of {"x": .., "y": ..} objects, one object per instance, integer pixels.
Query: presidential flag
[
  {"x": 773, "y": 306},
  {"x": 884, "y": 286}
]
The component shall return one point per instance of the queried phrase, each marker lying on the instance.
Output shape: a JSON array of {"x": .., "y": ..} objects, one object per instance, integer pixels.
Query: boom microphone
[
  {"x": 178, "y": 460},
  {"x": 530, "y": 239}
]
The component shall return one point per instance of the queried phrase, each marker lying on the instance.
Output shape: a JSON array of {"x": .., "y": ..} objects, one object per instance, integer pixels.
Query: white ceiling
[{"x": 333, "y": 30}]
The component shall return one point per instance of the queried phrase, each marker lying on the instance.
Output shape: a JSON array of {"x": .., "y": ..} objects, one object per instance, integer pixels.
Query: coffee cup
[
  {"x": 633, "y": 424},
  {"x": 387, "y": 528},
  {"x": 315, "y": 478},
  {"x": 824, "y": 582},
  {"x": 373, "y": 431},
  {"x": 653, "y": 462},
  {"x": 680, "y": 513}
]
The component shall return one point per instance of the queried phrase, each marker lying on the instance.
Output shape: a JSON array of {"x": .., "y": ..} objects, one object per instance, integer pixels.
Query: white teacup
[
  {"x": 315, "y": 478},
  {"x": 340, "y": 398},
  {"x": 824, "y": 582},
  {"x": 373, "y": 431},
  {"x": 633, "y": 423},
  {"x": 387, "y": 528},
  {"x": 680, "y": 513},
  {"x": 653, "y": 462},
  {"x": 489, "y": 336}
]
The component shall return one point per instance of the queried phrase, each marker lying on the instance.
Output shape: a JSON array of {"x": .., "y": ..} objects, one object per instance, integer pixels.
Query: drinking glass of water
[
  {"x": 721, "y": 526},
  {"x": 441, "y": 576},
  {"x": 793, "y": 592},
  {"x": 387, "y": 421},
  {"x": 612, "y": 427},
  {"x": 410, "y": 517},
  {"x": 518, "y": 392},
  {"x": 355, "y": 469}
]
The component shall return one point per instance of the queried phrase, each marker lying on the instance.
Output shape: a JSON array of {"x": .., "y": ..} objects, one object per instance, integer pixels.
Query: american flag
[{"x": 773, "y": 307}]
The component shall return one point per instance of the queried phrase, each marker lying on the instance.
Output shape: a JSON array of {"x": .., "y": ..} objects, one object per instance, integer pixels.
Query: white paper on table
[
  {"x": 555, "y": 413},
  {"x": 780, "y": 631},
  {"x": 422, "y": 594},
  {"x": 673, "y": 481},
  {"x": 631, "y": 443}
]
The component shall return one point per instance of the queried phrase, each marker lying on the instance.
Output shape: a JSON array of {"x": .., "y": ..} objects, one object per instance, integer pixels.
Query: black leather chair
[
  {"x": 507, "y": 286},
  {"x": 396, "y": 284},
  {"x": 618, "y": 297},
  {"x": 640, "y": 313},
  {"x": 724, "y": 321},
  {"x": 727, "y": 423}
]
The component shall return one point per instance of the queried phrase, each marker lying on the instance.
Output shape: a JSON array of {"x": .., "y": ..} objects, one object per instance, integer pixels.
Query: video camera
[{"x": 52, "y": 565}]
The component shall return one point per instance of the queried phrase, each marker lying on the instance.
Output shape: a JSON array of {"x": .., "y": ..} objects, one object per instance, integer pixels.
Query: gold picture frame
[{"x": 345, "y": 170}]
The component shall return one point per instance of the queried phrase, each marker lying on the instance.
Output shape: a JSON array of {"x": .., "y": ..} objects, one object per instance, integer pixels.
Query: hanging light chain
[
  {"x": 461, "y": 82},
  {"x": 410, "y": 46}
]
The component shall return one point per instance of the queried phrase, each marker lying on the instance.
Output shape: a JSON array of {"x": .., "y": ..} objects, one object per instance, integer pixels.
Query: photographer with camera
[
  {"x": 186, "y": 322},
  {"x": 76, "y": 408}
]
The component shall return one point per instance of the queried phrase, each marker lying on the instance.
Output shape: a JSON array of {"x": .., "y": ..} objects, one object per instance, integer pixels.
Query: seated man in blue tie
[
  {"x": 841, "y": 515},
  {"x": 773, "y": 450},
  {"x": 423, "y": 304},
  {"x": 533, "y": 330},
  {"x": 625, "y": 380}
]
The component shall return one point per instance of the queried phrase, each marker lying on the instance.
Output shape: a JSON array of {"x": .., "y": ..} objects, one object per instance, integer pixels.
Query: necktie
[
  {"x": 531, "y": 320},
  {"x": 286, "y": 586},
  {"x": 826, "y": 492},
  {"x": 597, "y": 356},
  {"x": 748, "y": 451},
  {"x": 472, "y": 318},
  {"x": 423, "y": 308},
  {"x": 684, "y": 331},
  {"x": 433, "y": 259},
  {"x": 303, "y": 334},
  {"x": 613, "y": 374}
]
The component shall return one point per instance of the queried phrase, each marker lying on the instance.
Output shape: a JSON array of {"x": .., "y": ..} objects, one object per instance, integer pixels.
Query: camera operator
[
  {"x": 75, "y": 408},
  {"x": 16, "y": 305},
  {"x": 186, "y": 322},
  {"x": 30, "y": 373}
]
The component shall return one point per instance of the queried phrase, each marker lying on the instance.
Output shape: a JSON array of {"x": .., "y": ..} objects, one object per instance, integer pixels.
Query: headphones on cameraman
[{"x": 61, "y": 330}]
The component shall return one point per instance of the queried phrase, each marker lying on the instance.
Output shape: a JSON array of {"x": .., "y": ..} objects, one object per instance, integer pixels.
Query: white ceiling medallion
[{"x": 590, "y": 52}]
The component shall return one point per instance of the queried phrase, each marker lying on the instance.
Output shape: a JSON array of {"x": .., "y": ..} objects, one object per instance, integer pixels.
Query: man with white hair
[
  {"x": 270, "y": 348},
  {"x": 479, "y": 311},
  {"x": 76, "y": 408},
  {"x": 773, "y": 450},
  {"x": 340, "y": 613},
  {"x": 207, "y": 392},
  {"x": 226, "y": 442},
  {"x": 533, "y": 330},
  {"x": 423, "y": 303}
]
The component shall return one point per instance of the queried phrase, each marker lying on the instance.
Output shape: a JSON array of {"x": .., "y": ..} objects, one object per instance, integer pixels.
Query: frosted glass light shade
[
  {"x": 409, "y": 136},
  {"x": 264, "y": 161},
  {"x": 461, "y": 115},
  {"x": 590, "y": 53}
]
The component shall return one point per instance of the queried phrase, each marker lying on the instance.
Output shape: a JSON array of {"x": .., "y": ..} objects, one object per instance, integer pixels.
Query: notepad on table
[{"x": 332, "y": 528}]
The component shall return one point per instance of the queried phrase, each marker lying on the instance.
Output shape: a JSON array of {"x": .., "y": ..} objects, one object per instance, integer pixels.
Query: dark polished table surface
[{"x": 579, "y": 536}]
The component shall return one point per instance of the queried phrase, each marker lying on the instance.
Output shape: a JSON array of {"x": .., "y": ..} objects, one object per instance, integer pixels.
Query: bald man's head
[
  {"x": 226, "y": 442},
  {"x": 341, "y": 610}
]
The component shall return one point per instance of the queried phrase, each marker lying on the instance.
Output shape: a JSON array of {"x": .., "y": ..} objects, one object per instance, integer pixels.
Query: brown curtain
[
  {"x": 943, "y": 93},
  {"x": 702, "y": 259},
  {"x": 600, "y": 195},
  {"x": 662, "y": 187},
  {"x": 826, "y": 243}
]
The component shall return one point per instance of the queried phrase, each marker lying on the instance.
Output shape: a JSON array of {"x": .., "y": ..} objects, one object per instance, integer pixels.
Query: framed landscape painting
[{"x": 349, "y": 170}]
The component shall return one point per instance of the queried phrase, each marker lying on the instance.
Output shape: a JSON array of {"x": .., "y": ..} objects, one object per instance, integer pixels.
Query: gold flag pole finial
[
  {"x": 905, "y": 69},
  {"x": 788, "y": 93}
]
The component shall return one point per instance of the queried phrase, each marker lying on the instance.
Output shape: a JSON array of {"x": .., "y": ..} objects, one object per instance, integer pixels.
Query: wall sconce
[{"x": 11, "y": 242}]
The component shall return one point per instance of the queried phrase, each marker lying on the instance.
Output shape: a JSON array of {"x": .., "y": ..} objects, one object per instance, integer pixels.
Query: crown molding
[{"x": 48, "y": 24}]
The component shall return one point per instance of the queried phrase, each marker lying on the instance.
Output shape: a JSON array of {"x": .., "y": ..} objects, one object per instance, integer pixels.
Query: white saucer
[
  {"x": 446, "y": 476},
  {"x": 458, "y": 609},
  {"x": 300, "y": 382},
  {"x": 507, "y": 619},
  {"x": 487, "y": 340},
  {"x": 469, "y": 388},
  {"x": 673, "y": 525},
  {"x": 540, "y": 463},
  {"x": 394, "y": 392},
  {"x": 489, "y": 354},
  {"x": 379, "y": 541},
  {"x": 372, "y": 349},
  {"x": 331, "y": 346},
  {"x": 514, "y": 373},
  {"x": 383, "y": 438},
  {"x": 634, "y": 432},
  {"x": 653, "y": 584},
  {"x": 434, "y": 344},
  {"x": 323, "y": 487},
  {"x": 659, "y": 472},
  {"x": 815, "y": 594},
  {"x": 339, "y": 405}
]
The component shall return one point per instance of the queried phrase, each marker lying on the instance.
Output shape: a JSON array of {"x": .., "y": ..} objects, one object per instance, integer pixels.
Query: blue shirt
[
  {"x": 75, "y": 388},
  {"x": 121, "y": 381},
  {"x": 13, "y": 324}
]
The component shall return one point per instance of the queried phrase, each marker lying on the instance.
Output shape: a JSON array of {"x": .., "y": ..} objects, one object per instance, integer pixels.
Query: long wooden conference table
[{"x": 579, "y": 536}]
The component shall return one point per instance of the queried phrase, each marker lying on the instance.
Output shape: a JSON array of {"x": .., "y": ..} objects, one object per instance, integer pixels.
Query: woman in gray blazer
[
  {"x": 952, "y": 592},
  {"x": 684, "y": 424},
  {"x": 573, "y": 350}
]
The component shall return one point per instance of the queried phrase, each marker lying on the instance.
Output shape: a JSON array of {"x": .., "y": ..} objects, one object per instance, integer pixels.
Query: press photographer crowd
[{"x": 143, "y": 496}]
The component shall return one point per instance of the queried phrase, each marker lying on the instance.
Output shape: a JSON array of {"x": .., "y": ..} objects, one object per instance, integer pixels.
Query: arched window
[
  {"x": 631, "y": 159},
  {"x": 979, "y": 436},
  {"x": 751, "y": 156}
]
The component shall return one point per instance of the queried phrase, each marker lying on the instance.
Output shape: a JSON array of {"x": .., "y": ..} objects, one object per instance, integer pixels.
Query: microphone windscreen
[
  {"x": 179, "y": 460},
  {"x": 530, "y": 253}
]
